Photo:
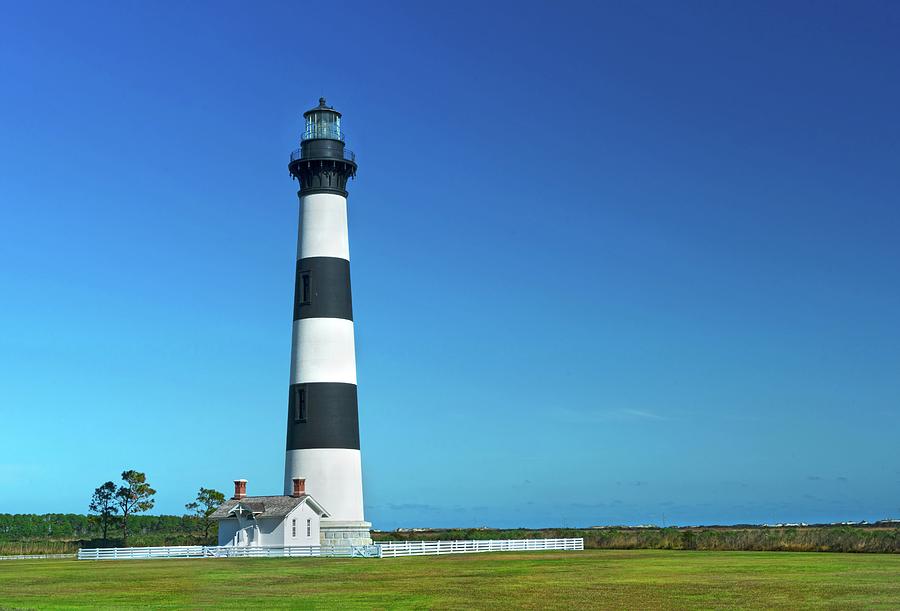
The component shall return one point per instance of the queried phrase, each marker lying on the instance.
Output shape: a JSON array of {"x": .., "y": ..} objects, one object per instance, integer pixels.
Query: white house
[{"x": 269, "y": 520}]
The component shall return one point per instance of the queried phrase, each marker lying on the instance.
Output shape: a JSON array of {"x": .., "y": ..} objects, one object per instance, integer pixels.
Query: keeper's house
[{"x": 269, "y": 520}]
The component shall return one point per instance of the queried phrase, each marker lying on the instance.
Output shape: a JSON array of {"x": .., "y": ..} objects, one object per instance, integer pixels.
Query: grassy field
[{"x": 594, "y": 578}]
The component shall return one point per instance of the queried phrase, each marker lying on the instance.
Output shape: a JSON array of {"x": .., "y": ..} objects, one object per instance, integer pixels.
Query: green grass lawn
[{"x": 596, "y": 578}]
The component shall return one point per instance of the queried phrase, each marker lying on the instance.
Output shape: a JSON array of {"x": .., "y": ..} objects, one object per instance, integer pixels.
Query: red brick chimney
[
  {"x": 240, "y": 489},
  {"x": 299, "y": 486}
]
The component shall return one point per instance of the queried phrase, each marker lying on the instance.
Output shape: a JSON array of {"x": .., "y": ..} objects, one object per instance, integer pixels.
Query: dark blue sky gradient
[{"x": 611, "y": 264}]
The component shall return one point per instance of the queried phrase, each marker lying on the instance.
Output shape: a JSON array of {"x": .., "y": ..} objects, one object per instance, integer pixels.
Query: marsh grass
[{"x": 799, "y": 539}]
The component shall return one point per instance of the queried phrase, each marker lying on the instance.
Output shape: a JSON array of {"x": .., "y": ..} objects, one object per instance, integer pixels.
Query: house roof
[{"x": 266, "y": 506}]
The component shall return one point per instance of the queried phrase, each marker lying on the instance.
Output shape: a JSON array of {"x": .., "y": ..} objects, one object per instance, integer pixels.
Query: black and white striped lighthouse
[{"x": 323, "y": 422}]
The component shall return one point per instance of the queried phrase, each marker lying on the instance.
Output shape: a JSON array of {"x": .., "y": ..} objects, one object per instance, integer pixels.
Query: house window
[
  {"x": 308, "y": 527},
  {"x": 300, "y": 405},
  {"x": 294, "y": 528},
  {"x": 305, "y": 288}
]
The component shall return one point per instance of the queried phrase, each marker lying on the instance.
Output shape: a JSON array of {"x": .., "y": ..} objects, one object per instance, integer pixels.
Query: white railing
[
  {"x": 215, "y": 551},
  {"x": 36, "y": 556},
  {"x": 392, "y": 549},
  {"x": 384, "y": 549},
  {"x": 296, "y": 551}
]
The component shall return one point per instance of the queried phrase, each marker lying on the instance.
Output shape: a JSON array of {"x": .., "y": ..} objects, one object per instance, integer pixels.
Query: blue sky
[{"x": 611, "y": 263}]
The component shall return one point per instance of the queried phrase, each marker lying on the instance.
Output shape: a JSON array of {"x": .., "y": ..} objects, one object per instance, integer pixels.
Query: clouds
[
  {"x": 603, "y": 416},
  {"x": 419, "y": 507},
  {"x": 642, "y": 414}
]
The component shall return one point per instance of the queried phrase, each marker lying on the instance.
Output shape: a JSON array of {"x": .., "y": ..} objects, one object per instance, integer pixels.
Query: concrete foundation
[{"x": 335, "y": 532}]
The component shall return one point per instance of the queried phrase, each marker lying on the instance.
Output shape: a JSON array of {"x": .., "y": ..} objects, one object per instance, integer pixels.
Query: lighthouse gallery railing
[{"x": 348, "y": 155}]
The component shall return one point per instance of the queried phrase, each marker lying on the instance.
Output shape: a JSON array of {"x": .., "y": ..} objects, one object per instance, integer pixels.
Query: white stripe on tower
[
  {"x": 338, "y": 472},
  {"x": 323, "y": 226},
  {"x": 323, "y": 351}
]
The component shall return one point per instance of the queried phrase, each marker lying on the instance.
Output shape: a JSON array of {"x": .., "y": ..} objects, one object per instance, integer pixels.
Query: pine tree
[
  {"x": 134, "y": 497},
  {"x": 208, "y": 500},
  {"x": 103, "y": 503}
]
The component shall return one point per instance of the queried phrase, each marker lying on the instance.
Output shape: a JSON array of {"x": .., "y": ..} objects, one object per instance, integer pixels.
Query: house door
[{"x": 242, "y": 537}]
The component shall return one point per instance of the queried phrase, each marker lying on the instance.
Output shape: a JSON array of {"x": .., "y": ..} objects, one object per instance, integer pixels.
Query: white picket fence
[
  {"x": 384, "y": 549},
  {"x": 392, "y": 549},
  {"x": 214, "y": 551},
  {"x": 327, "y": 551}
]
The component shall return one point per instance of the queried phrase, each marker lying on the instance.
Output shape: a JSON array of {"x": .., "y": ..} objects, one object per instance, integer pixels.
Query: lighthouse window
[
  {"x": 294, "y": 528},
  {"x": 300, "y": 405},
  {"x": 308, "y": 528},
  {"x": 305, "y": 288}
]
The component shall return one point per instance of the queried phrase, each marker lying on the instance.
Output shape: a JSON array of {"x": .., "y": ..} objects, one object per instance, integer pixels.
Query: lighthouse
[{"x": 323, "y": 421}]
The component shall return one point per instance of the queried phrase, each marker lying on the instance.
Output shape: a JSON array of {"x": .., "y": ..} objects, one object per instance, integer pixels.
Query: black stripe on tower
[
  {"x": 322, "y": 288},
  {"x": 322, "y": 415}
]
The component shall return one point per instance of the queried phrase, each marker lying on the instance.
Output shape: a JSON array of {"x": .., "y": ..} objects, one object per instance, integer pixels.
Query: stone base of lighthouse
[{"x": 340, "y": 533}]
